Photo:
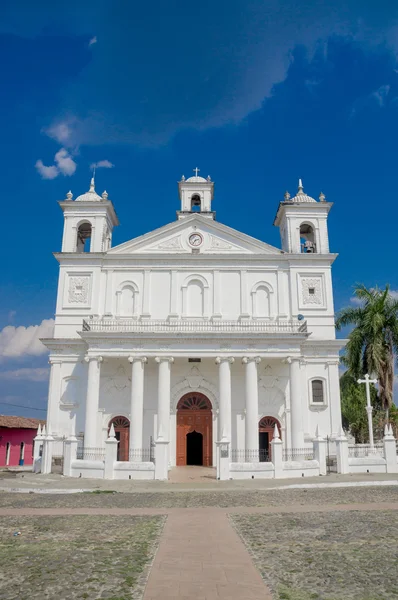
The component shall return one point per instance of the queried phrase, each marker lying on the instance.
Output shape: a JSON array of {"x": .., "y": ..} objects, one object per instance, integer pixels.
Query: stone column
[
  {"x": 92, "y": 400},
  {"x": 390, "y": 452},
  {"x": 251, "y": 420},
  {"x": 70, "y": 453},
  {"x": 137, "y": 406},
  {"x": 295, "y": 403},
  {"x": 164, "y": 378},
  {"x": 110, "y": 454},
  {"x": 334, "y": 397},
  {"x": 54, "y": 395},
  {"x": 277, "y": 454},
  {"x": 224, "y": 386},
  {"x": 319, "y": 445},
  {"x": 342, "y": 454}
]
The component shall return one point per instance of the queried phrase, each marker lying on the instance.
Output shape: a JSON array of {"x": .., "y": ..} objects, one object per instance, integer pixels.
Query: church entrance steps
[
  {"x": 192, "y": 474},
  {"x": 201, "y": 556}
]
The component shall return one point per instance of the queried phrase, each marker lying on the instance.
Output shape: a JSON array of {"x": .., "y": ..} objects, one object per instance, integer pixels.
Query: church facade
[{"x": 194, "y": 332}]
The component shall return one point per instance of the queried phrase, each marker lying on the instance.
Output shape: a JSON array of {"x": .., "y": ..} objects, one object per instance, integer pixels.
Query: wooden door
[
  {"x": 267, "y": 426},
  {"x": 194, "y": 414},
  {"x": 122, "y": 433}
]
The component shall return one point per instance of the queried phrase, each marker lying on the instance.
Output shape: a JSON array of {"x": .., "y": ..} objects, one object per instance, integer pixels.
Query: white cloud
[
  {"x": 93, "y": 41},
  {"x": 66, "y": 164},
  {"x": 46, "y": 172},
  {"x": 355, "y": 300},
  {"x": 25, "y": 341},
  {"x": 39, "y": 374},
  {"x": 394, "y": 294},
  {"x": 60, "y": 131},
  {"x": 102, "y": 164}
]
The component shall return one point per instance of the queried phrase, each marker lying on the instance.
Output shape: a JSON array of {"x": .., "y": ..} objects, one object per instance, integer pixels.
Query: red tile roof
[{"x": 20, "y": 422}]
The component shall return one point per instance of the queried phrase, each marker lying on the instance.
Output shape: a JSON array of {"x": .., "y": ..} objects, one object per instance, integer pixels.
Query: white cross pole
[
  {"x": 367, "y": 381},
  {"x": 196, "y": 171}
]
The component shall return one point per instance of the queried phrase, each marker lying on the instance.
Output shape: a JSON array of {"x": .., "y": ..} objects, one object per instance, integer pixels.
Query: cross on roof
[{"x": 196, "y": 171}]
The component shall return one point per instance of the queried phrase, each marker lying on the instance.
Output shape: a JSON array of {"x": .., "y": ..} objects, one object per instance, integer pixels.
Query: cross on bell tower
[{"x": 196, "y": 195}]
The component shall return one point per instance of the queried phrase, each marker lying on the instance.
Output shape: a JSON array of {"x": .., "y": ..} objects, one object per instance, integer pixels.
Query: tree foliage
[
  {"x": 373, "y": 342},
  {"x": 353, "y": 410}
]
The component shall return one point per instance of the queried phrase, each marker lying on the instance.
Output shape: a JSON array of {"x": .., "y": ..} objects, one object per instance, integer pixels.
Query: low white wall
[
  {"x": 260, "y": 470},
  {"x": 305, "y": 468},
  {"x": 91, "y": 469},
  {"x": 367, "y": 464},
  {"x": 133, "y": 470}
]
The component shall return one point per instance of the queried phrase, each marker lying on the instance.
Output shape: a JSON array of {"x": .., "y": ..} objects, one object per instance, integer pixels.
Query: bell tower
[
  {"x": 303, "y": 223},
  {"x": 196, "y": 195},
  {"x": 88, "y": 222}
]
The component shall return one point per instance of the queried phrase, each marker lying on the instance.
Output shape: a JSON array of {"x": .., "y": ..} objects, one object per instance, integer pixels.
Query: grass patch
[
  {"x": 349, "y": 555},
  {"x": 76, "y": 557}
]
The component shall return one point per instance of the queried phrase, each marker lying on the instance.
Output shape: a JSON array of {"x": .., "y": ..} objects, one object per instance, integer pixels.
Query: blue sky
[{"x": 256, "y": 94}]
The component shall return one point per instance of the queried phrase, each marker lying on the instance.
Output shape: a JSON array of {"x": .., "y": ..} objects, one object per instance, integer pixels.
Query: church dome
[
  {"x": 90, "y": 196},
  {"x": 300, "y": 197},
  {"x": 196, "y": 179}
]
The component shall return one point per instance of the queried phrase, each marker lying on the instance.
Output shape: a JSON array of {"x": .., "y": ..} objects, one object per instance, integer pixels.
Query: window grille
[{"x": 317, "y": 391}]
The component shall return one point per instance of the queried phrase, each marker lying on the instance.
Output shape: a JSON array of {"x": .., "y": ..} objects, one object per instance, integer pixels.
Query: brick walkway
[{"x": 200, "y": 556}]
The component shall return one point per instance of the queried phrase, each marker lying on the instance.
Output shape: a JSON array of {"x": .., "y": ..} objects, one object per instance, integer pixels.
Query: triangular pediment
[{"x": 194, "y": 233}]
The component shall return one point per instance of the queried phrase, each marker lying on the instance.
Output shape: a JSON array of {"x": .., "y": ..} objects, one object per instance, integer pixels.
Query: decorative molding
[
  {"x": 248, "y": 359},
  {"x": 221, "y": 359},
  {"x": 219, "y": 244},
  {"x": 194, "y": 381},
  {"x": 173, "y": 243},
  {"x": 315, "y": 286},
  {"x": 78, "y": 289}
]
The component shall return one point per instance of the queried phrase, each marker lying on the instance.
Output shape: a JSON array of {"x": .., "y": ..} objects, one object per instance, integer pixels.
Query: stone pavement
[
  {"x": 181, "y": 479},
  {"x": 202, "y": 557}
]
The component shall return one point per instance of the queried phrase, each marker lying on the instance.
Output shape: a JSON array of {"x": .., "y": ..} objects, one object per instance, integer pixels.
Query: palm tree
[{"x": 374, "y": 339}]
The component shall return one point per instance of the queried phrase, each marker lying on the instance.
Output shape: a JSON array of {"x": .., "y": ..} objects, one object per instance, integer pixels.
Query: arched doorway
[
  {"x": 266, "y": 428},
  {"x": 122, "y": 433},
  {"x": 194, "y": 430}
]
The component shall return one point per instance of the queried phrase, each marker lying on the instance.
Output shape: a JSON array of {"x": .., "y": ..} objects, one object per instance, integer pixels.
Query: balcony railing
[{"x": 290, "y": 327}]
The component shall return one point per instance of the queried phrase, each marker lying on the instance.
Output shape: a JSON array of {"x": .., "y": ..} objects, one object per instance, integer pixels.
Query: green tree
[
  {"x": 353, "y": 407},
  {"x": 373, "y": 342}
]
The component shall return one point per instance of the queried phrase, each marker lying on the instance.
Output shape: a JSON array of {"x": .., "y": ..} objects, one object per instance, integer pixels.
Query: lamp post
[{"x": 369, "y": 409}]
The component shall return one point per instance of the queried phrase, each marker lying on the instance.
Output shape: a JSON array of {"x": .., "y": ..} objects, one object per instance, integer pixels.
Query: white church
[{"x": 192, "y": 335}]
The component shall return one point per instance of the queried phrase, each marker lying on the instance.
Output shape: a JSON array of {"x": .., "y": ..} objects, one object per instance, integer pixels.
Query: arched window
[
  {"x": 195, "y": 202},
  {"x": 83, "y": 237},
  {"x": 194, "y": 401},
  {"x": 127, "y": 300},
  {"x": 307, "y": 239},
  {"x": 317, "y": 391},
  {"x": 195, "y": 299},
  {"x": 261, "y": 300}
]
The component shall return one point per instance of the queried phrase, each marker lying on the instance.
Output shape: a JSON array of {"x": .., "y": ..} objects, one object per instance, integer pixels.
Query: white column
[
  {"x": 224, "y": 386},
  {"x": 54, "y": 395},
  {"x": 334, "y": 398},
  {"x": 92, "y": 400},
  {"x": 244, "y": 312},
  {"x": 216, "y": 295},
  {"x": 137, "y": 406},
  {"x": 173, "y": 295},
  {"x": 295, "y": 403},
  {"x": 251, "y": 419},
  {"x": 146, "y": 295},
  {"x": 164, "y": 378}
]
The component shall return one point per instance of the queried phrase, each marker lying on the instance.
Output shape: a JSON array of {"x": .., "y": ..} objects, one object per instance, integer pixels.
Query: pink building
[{"x": 16, "y": 440}]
